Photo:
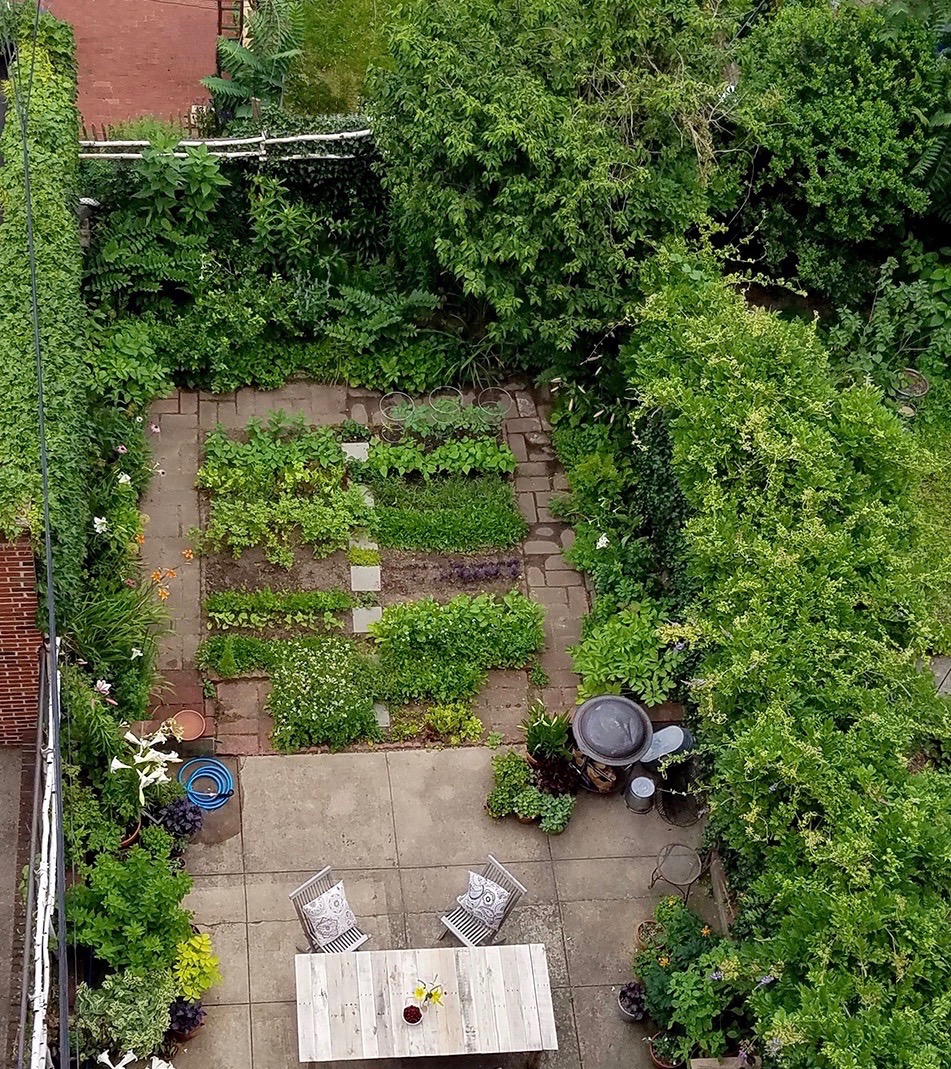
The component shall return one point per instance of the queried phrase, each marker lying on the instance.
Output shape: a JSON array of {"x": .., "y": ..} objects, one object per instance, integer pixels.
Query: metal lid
[
  {"x": 612, "y": 730},
  {"x": 641, "y": 787}
]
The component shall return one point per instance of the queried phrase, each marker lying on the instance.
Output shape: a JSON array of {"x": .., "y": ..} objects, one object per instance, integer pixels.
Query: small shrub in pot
[
  {"x": 181, "y": 818},
  {"x": 630, "y": 1000},
  {"x": 186, "y": 1016}
]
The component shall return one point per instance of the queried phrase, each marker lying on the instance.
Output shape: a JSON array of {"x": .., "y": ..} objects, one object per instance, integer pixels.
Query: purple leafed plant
[
  {"x": 481, "y": 571},
  {"x": 180, "y": 818},
  {"x": 185, "y": 1015}
]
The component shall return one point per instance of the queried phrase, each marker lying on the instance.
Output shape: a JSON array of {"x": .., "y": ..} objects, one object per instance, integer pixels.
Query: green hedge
[
  {"x": 53, "y": 138},
  {"x": 811, "y": 696}
]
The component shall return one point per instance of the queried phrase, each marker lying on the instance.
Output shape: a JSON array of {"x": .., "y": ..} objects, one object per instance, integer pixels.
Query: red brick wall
[
  {"x": 140, "y": 57},
  {"x": 19, "y": 643}
]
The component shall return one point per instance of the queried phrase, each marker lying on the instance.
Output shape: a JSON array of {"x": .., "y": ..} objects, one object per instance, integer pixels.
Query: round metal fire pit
[{"x": 612, "y": 730}]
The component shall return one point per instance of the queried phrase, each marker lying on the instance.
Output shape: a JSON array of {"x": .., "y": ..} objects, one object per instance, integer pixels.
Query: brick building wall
[
  {"x": 19, "y": 642},
  {"x": 140, "y": 57}
]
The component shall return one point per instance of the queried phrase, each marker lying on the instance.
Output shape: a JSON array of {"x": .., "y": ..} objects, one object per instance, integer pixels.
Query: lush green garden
[
  {"x": 720, "y": 234},
  {"x": 291, "y": 490}
]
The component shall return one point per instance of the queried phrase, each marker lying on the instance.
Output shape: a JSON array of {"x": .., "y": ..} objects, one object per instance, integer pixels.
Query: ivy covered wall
[{"x": 52, "y": 132}]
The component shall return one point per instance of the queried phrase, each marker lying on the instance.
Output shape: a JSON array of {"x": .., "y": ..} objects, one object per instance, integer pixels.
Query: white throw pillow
[
  {"x": 485, "y": 900},
  {"x": 330, "y": 915}
]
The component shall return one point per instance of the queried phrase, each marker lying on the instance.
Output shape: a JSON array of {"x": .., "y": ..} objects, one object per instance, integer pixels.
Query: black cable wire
[{"x": 22, "y": 108}]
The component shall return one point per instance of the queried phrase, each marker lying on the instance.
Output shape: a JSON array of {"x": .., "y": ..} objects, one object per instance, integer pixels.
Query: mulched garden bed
[
  {"x": 220, "y": 571},
  {"x": 408, "y": 576}
]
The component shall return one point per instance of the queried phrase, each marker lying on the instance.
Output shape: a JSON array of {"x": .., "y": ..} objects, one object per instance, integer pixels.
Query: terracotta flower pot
[
  {"x": 651, "y": 934},
  {"x": 191, "y": 722},
  {"x": 659, "y": 1060},
  {"x": 132, "y": 836}
]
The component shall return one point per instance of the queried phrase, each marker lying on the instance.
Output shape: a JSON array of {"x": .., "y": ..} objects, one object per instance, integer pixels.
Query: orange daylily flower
[
  {"x": 163, "y": 593},
  {"x": 156, "y": 576},
  {"x": 140, "y": 538},
  {"x": 188, "y": 554}
]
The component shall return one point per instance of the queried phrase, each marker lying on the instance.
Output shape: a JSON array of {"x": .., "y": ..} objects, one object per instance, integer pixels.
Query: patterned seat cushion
[
  {"x": 329, "y": 915},
  {"x": 485, "y": 900}
]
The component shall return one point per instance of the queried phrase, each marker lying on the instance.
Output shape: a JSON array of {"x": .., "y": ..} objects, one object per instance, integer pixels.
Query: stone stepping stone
[
  {"x": 382, "y": 714},
  {"x": 363, "y": 541},
  {"x": 364, "y": 577},
  {"x": 356, "y": 450},
  {"x": 363, "y": 617}
]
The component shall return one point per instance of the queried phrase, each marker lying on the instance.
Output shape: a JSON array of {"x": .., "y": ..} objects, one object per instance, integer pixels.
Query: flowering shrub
[{"x": 321, "y": 694}]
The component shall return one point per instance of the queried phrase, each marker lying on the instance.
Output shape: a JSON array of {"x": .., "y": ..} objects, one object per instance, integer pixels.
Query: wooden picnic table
[{"x": 495, "y": 999}]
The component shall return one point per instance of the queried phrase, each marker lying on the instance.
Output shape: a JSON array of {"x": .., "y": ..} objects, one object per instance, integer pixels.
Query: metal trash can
[{"x": 639, "y": 796}]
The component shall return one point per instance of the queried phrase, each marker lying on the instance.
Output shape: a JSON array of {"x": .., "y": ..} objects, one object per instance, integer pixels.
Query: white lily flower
[
  {"x": 136, "y": 653},
  {"x": 117, "y": 764},
  {"x": 124, "y": 478},
  {"x": 106, "y": 1059}
]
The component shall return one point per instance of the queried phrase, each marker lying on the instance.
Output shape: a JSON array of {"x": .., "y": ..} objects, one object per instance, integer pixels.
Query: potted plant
[
  {"x": 546, "y": 736},
  {"x": 664, "y": 1048},
  {"x": 556, "y": 812},
  {"x": 651, "y": 933},
  {"x": 630, "y": 1001},
  {"x": 529, "y": 805},
  {"x": 186, "y": 1016},
  {"x": 181, "y": 818},
  {"x": 196, "y": 967},
  {"x": 511, "y": 774}
]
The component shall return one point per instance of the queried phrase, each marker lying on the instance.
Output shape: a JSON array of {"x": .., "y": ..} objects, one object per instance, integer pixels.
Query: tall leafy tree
[
  {"x": 536, "y": 149},
  {"x": 834, "y": 106}
]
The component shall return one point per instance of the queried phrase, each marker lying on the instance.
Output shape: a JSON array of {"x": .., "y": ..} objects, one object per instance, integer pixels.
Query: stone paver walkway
[{"x": 402, "y": 829}]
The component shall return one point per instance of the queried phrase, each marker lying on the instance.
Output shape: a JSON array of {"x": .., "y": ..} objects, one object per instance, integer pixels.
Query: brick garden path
[{"x": 173, "y": 508}]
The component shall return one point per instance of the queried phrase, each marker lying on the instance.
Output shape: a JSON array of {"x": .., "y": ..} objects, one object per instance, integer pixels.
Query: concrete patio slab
[
  {"x": 217, "y": 899},
  {"x": 224, "y": 1042},
  {"x": 604, "y": 827},
  {"x": 606, "y": 878},
  {"x": 370, "y": 892},
  {"x": 230, "y": 942},
  {"x": 437, "y": 794},
  {"x": 606, "y": 1041},
  {"x": 304, "y": 813},
  {"x": 428, "y": 889},
  {"x": 600, "y": 939}
]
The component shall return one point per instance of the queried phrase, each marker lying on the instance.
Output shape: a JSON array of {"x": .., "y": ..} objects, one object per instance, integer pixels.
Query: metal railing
[{"x": 44, "y": 890}]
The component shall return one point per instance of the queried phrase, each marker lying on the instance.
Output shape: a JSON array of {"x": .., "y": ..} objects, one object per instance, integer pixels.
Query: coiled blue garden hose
[{"x": 207, "y": 782}]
